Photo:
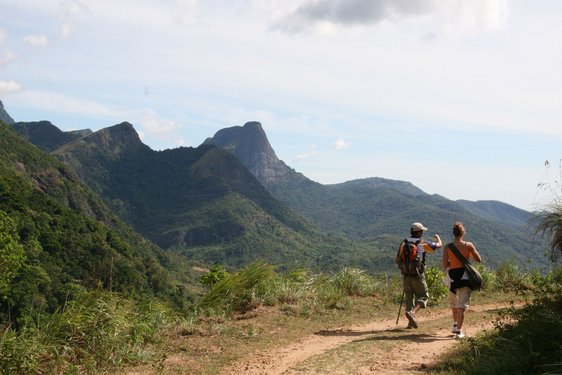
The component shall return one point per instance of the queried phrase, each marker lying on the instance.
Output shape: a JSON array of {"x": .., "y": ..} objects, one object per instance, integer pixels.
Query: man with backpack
[{"x": 411, "y": 261}]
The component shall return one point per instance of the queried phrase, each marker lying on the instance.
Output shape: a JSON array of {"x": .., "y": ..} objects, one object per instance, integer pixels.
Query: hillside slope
[
  {"x": 72, "y": 241},
  {"x": 380, "y": 211},
  {"x": 5, "y": 118},
  {"x": 46, "y": 136},
  {"x": 201, "y": 201}
]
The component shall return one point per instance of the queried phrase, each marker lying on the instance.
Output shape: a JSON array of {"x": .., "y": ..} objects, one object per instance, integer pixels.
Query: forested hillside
[
  {"x": 66, "y": 240},
  {"x": 379, "y": 211},
  {"x": 207, "y": 205},
  {"x": 202, "y": 202}
]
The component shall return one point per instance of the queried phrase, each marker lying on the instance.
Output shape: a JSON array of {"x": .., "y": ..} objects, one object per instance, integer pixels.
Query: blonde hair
[{"x": 458, "y": 229}]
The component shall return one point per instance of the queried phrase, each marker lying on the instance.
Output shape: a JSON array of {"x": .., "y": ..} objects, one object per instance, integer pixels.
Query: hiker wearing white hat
[{"x": 411, "y": 261}]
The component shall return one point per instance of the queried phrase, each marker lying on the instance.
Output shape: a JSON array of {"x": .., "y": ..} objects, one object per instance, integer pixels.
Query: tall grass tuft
[
  {"x": 239, "y": 292},
  {"x": 96, "y": 331},
  {"x": 354, "y": 282}
]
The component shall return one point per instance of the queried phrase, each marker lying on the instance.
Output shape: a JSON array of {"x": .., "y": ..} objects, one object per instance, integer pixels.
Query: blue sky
[{"x": 459, "y": 97}]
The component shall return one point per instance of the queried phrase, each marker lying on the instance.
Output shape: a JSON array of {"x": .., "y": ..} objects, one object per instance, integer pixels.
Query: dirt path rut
[{"x": 427, "y": 344}]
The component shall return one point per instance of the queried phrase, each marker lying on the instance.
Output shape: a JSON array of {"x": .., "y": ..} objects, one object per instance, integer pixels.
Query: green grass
[
  {"x": 101, "y": 331},
  {"x": 96, "y": 331},
  {"x": 526, "y": 340}
]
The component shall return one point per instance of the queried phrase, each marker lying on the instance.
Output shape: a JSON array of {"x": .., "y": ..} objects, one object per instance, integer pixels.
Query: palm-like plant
[{"x": 549, "y": 223}]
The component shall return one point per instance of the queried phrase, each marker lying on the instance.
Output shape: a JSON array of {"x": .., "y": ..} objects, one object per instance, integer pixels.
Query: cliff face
[
  {"x": 250, "y": 144},
  {"x": 4, "y": 116}
]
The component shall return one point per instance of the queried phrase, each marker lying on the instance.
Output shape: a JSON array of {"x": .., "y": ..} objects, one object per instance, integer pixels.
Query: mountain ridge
[
  {"x": 72, "y": 242},
  {"x": 4, "y": 116},
  {"x": 371, "y": 211},
  {"x": 364, "y": 209},
  {"x": 201, "y": 201},
  {"x": 261, "y": 160}
]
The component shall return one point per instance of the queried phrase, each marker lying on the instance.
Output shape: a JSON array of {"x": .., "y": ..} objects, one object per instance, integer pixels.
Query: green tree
[
  {"x": 215, "y": 274},
  {"x": 12, "y": 253}
]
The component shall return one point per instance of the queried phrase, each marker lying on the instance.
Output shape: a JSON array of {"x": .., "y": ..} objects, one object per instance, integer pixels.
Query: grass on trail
[
  {"x": 374, "y": 349},
  {"x": 210, "y": 345}
]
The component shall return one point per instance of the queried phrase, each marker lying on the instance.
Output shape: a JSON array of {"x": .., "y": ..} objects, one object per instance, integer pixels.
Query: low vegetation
[
  {"x": 97, "y": 330},
  {"x": 100, "y": 331},
  {"x": 526, "y": 340},
  {"x": 81, "y": 292}
]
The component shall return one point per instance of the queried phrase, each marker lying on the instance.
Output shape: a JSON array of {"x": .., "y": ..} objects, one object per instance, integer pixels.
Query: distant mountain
[
  {"x": 250, "y": 144},
  {"x": 374, "y": 209},
  {"x": 5, "y": 118},
  {"x": 202, "y": 201},
  {"x": 498, "y": 211},
  {"x": 214, "y": 207},
  {"x": 72, "y": 241},
  {"x": 46, "y": 136}
]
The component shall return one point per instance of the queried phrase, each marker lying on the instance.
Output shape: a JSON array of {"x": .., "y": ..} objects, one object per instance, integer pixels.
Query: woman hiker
[{"x": 460, "y": 291}]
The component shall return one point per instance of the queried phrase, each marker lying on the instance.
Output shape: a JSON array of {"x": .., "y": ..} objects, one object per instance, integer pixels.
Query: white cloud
[
  {"x": 36, "y": 40},
  {"x": 71, "y": 14},
  {"x": 453, "y": 15},
  {"x": 157, "y": 127},
  {"x": 186, "y": 12},
  {"x": 463, "y": 17},
  {"x": 2, "y": 35},
  {"x": 310, "y": 153},
  {"x": 6, "y": 57},
  {"x": 8, "y": 87},
  {"x": 59, "y": 103},
  {"x": 341, "y": 144}
]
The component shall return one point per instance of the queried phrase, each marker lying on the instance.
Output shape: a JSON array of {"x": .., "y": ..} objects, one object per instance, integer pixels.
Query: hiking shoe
[
  {"x": 412, "y": 319},
  {"x": 460, "y": 335},
  {"x": 455, "y": 329}
]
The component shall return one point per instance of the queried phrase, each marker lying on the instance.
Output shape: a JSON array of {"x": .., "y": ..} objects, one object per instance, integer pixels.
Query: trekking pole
[{"x": 400, "y": 309}]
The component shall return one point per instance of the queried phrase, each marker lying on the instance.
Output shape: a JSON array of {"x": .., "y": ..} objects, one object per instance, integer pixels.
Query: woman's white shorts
[{"x": 460, "y": 299}]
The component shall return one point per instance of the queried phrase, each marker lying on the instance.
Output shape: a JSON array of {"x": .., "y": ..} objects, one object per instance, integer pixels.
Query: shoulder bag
[{"x": 474, "y": 276}]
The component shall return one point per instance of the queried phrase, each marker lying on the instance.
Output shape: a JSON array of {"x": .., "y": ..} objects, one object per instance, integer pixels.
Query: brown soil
[
  {"x": 378, "y": 347},
  {"x": 427, "y": 345}
]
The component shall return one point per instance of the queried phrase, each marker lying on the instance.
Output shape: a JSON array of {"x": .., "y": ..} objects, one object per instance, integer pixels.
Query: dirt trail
[{"x": 427, "y": 346}]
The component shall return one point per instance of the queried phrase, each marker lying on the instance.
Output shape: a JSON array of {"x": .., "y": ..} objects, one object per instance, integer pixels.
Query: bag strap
[
  {"x": 458, "y": 254},
  {"x": 405, "y": 242}
]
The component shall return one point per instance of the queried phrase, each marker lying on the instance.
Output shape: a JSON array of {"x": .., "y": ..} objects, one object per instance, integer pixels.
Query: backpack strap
[{"x": 405, "y": 242}]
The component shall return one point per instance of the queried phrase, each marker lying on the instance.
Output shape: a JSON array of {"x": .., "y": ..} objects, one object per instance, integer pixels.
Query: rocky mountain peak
[
  {"x": 250, "y": 144},
  {"x": 108, "y": 142},
  {"x": 116, "y": 138},
  {"x": 4, "y": 116}
]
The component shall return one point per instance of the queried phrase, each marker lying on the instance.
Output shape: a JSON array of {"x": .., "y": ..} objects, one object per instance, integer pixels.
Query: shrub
[
  {"x": 437, "y": 289},
  {"x": 215, "y": 274},
  {"x": 489, "y": 277},
  {"x": 510, "y": 277}
]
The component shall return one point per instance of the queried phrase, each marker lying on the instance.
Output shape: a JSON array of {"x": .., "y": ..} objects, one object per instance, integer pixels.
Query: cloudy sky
[{"x": 459, "y": 97}]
